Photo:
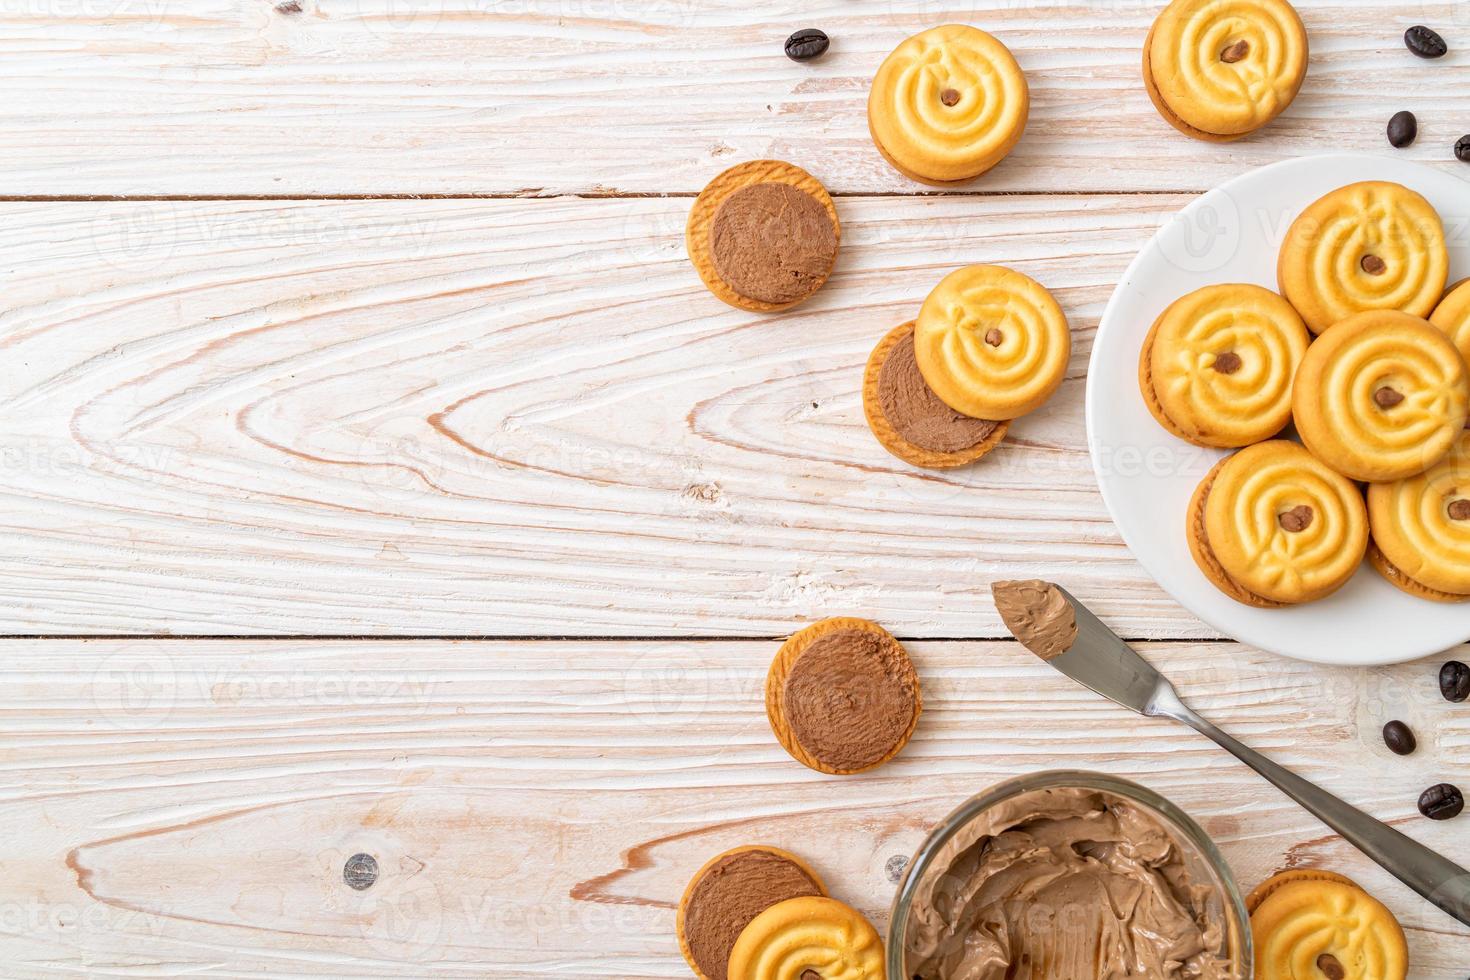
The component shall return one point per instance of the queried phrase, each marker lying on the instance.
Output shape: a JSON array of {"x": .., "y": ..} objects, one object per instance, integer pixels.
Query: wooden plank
[
  {"x": 185, "y": 807},
  {"x": 518, "y": 418},
  {"x": 332, "y": 97}
]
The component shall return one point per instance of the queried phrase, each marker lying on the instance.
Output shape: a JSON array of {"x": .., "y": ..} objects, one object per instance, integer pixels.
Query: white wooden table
[{"x": 376, "y": 476}]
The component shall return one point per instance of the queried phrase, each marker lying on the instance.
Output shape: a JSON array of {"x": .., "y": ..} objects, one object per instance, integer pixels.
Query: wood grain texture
[
  {"x": 329, "y": 97},
  {"x": 184, "y": 808},
  {"x": 520, "y": 418}
]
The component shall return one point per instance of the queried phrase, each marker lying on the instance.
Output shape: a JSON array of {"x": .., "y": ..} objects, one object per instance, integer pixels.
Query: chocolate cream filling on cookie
[
  {"x": 850, "y": 698},
  {"x": 732, "y": 892},
  {"x": 917, "y": 414},
  {"x": 773, "y": 242}
]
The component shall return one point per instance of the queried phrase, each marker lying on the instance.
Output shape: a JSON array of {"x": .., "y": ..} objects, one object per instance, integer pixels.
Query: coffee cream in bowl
[{"x": 1068, "y": 876}]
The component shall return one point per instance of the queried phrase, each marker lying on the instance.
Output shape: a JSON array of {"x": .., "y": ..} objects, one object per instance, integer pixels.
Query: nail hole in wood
[
  {"x": 895, "y": 867},
  {"x": 360, "y": 871}
]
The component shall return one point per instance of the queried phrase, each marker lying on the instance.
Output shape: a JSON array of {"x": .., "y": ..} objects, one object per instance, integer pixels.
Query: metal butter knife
[{"x": 1100, "y": 660}]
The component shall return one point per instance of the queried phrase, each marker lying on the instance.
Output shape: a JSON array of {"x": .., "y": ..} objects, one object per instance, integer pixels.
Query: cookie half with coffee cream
[
  {"x": 842, "y": 696},
  {"x": 910, "y": 420},
  {"x": 727, "y": 893},
  {"x": 1421, "y": 529},
  {"x": 764, "y": 236},
  {"x": 1274, "y": 526},
  {"x": 1217, "y": 366}
]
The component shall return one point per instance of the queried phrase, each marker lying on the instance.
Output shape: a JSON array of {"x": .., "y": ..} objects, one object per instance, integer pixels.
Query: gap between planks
[
  {"x": 526, "y": 638},
  {"x": 535, "y": 194}
]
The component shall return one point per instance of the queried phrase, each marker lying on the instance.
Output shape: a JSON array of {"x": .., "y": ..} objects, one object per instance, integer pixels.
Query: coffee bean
[
  {"x": 1227, "y": 363},
  {"x": 1454, "y": 681},
  {"x": 1442, "y": 802},
  {"x": 1459, "y": 510},
  {"x": 1403, "y": 129},
  {"x": 1399, "y": 738},
  {"x": 1331, "y": 967},
  {"x": 949, "y": 97},
  {"x": 1462, "y": 149},
  {"x": 1373, "y": 265},
  {"x": 1425, "y": 43},
  {"x": 1387, "y": 397},
  {"x": 806, "y": 44}
]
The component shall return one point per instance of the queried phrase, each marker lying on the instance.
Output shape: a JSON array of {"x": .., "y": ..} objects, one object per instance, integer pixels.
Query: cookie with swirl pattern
[
  {"x": 1218, "y": 70},
  {"x": 1452, "y": 315},
  {"x": 806, "y": 938},
  {"x": 948, "y": 104},
  {"x": 1274, "y": 526},
  {"x": 1216, "y": 368},
  {"x": 1373, "y": 245},
  {"x": 1308, "y": 923},
  {"x": 992, "y": 343},
  {"x": 1382, "y": 396},
  {"x": 1421, "y": 529}
]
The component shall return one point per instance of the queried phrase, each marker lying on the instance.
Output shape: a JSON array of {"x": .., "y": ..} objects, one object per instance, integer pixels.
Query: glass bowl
[{"x": 1201, "y": 857}]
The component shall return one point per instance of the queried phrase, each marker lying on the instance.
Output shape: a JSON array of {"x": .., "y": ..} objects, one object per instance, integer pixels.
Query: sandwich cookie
[
  {"x": 1421, "y": 529},
  {"x": 1369, "y": 246},
  {"x": 1217, "y": 367},
  {"x": 1382, "y": 396},
  {"x": 992, "y": 343},
  {"x": 727, "y": 893},
  {"x": 842, "y": 696},
  {"x": 947, "y": 105},
  {"x": 1218, "y": 70},
  {"x": 1452, "y": 316},
  {"x": 763, "y": 236},
  {"x": 808, "y": 939},
  {"x": 910, "y": 421},
  {"x": 1316, "y": 924},
  {"x": 1274, "y": 526}
]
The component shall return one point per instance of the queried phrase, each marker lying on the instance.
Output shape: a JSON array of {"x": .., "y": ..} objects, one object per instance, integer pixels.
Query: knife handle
[{"x": 1441, "y": 881}]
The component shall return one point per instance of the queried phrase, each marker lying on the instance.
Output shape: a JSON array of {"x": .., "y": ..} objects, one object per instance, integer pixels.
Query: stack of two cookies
[
  {"x": 760, "y": 913},
  {"x": 1379, "y": 397},
  {"x": 990, "y": 345}
]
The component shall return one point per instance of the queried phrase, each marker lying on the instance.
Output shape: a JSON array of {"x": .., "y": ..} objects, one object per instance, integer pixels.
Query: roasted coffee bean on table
[
  {"x": 807, "y": 44},
  {"x": 1442, "y": 802},
  {"x": 1399, "y": 738},
  {"x": 1425, "y": 43},
  {"x": 1462, "y": 149},
  {"x": 1403, "y": 129},
  {"x": 1454, "y": 681}
]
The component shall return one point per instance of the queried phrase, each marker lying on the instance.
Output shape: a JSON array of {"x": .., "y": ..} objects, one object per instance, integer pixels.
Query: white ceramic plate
[{"x": 1233, "y": 234}]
